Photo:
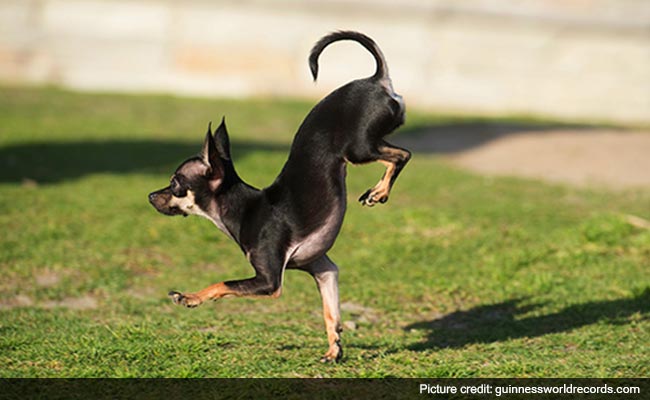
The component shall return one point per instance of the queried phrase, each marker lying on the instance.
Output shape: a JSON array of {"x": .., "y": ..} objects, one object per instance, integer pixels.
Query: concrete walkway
[{"x": 616, "y": 159}]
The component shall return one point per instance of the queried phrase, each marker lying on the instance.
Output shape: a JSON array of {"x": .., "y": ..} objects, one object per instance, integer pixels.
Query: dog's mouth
[
  {"x": 178, "y": 211},
  {"x": 172, "y": 211}
]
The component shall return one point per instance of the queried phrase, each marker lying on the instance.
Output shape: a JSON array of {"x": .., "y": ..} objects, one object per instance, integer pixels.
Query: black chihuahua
[{"x": 294, "y": 222}]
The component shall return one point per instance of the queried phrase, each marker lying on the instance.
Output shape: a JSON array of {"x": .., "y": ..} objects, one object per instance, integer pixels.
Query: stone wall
[{"x": 586, "y": 59}]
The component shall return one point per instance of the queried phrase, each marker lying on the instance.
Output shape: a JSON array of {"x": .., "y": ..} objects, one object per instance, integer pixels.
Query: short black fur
[{"x": 294, "y": 222}]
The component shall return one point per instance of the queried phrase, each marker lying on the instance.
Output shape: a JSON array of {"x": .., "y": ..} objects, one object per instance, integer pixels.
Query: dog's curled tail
[{"x": 365, "y": 41}]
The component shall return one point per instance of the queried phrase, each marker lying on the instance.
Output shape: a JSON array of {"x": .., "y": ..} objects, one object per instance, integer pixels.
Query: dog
[{"x": 293, "y": 223}]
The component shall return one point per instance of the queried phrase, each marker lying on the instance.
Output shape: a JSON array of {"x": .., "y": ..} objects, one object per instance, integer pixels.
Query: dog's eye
[{"x": 176, "y": 188}]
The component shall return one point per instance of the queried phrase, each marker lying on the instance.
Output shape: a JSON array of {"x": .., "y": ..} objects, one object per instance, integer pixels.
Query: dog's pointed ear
[
  {"x": 222, "y": 141},
  {"x": 210, "y": 155}
]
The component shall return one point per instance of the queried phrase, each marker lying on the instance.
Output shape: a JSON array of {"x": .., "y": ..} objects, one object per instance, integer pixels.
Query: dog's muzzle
[{"x": 160, "y": 201}]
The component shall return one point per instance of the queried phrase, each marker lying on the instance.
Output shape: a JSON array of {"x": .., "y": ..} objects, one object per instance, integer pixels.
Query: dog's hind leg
[
  {"x": 394, "y": 158},
  {"x": 326, "y": 274}
]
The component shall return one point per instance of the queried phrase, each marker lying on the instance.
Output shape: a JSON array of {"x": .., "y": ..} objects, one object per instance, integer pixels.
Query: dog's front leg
[
  {"x": 266, "y": 283},
  {"x": 326, "y": 273}
]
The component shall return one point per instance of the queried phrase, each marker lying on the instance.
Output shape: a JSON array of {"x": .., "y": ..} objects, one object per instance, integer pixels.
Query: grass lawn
[{"x": 458, "y": 275}]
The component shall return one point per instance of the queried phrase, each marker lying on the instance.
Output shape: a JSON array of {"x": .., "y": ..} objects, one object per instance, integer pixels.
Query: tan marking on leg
[
  {"x": 384, "y": 183},
  {"x": 326, "y": 273},
  {"x": 213, "y": 292},
  {"x": 332, "y": 326},
  {"x": 379, "y": 193},
  {"x": 394, "y": 159},
  {"x": 328, "y": 286}
]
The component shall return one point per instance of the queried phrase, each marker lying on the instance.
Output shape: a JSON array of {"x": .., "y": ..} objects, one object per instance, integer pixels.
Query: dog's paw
[
  {"x": 334, "y": 354},
  {"x": 187, "y": 300},
  {"x": 373, "y": 196}
]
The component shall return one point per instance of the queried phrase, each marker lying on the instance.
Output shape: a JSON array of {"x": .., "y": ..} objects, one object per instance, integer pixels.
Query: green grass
[{"x": 459, "y": 275}]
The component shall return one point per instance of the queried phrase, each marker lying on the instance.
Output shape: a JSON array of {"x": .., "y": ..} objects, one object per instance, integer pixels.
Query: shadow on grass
[
  {"x": 51, "y": 162},
  {"x": 499, "y": 322},
  {"x": 60, "y": 161},
  {"x": 460, "y": 136}
]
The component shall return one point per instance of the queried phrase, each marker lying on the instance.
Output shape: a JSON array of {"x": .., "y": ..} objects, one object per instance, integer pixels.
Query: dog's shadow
[
  {"x": 53, "y": 162},
  {"x": 506, "y": 320}
]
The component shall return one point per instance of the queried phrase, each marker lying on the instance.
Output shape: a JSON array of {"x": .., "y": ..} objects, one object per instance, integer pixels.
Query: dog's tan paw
[
  {"x": 334, "y": 354},
  {"x": 373, "y": 196},
  {"x": 186, "y": 300}
]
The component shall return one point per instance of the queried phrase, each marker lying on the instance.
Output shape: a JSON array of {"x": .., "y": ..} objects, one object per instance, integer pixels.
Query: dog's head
[{"x": 195, "y": 183}]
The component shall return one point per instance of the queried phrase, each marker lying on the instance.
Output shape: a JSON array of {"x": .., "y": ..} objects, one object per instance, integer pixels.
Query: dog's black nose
[{"x": 152, "y": 197}]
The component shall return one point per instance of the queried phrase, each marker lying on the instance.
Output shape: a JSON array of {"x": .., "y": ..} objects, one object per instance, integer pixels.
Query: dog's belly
[
  {"x": 318, "y": 242},
  {"x": 320, "y": 239}
]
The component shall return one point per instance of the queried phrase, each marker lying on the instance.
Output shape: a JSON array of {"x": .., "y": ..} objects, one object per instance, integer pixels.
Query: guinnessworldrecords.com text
[{"x": 498, "y": 391}]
